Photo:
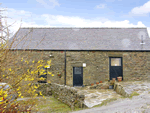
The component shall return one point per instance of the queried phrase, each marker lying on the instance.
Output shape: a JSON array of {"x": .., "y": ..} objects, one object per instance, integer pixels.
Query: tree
[
  {"x": 19, "y": 72},
  {"x": 3, "y": 29}
]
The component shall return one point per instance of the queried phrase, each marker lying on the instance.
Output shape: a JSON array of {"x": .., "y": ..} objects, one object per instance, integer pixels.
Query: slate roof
[{"x": 81, "y": 39}]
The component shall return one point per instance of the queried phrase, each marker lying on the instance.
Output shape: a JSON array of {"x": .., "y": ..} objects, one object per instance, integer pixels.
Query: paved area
[
  {"x": 138, "y": 86},
  {"x": 96, "y": 96},
  {"x": 138, "y": 104}
]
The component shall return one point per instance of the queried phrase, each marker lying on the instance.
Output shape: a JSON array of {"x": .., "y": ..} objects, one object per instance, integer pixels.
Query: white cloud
[
  {"x": 30, "y": 20},
  {"x": 73, "y": 21},
  {"x": 80, "y": 22},
  {"x": 43, "y": 3},
  {"x": 141, "y": 10},
  {"x": 15, "y": 17},
  {"x": 12, "y": 13},
  {"x": 55, "y": 2},
  {"x": 101, "y": 6},
  {"x": 48, "y": 4}
]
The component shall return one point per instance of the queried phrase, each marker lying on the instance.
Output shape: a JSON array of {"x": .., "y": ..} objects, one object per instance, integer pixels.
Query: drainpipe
[{"x": 65, "y": 70}]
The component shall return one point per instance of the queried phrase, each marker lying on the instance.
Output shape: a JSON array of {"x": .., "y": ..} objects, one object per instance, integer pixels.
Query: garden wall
[
  {"x": 121, "y": 90},
  {"x": 66, "y": 94},
  {"x": 104, "y": 85}
]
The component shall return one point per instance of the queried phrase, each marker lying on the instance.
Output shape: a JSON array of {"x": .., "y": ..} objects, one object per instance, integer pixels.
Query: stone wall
[
  {"x": 66, "y": 94},
  {"x": 136, "y": 65},
  {"x": 100, "y": 86},
  {"x": 121, "y": 90},
  {"x": 45, "y": 88}
]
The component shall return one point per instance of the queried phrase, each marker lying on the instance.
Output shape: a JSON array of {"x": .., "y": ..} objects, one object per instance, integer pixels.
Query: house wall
[{"x": 136, "y": 65}]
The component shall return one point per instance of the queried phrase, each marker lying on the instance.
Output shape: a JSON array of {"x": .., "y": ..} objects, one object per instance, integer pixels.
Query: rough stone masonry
[
  {"x": 66, "y": 94},
  {"x": 136, "y": 65}
]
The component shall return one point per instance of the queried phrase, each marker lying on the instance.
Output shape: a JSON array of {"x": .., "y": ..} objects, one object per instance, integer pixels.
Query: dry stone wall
[
  {"x": 121, "y": 90},
  {"x": 100, "y": 86},
  {"x": 66, "y": 94}
]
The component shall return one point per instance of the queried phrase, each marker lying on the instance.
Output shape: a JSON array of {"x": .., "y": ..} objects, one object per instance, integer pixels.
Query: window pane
[
  {"x": 42, "y": 71},
  {"x": 115, "y": 61},
  {"x": 77, "y": 70}
]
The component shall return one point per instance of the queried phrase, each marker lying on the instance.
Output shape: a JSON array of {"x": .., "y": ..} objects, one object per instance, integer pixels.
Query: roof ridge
[{"x": 84, "y": 27}]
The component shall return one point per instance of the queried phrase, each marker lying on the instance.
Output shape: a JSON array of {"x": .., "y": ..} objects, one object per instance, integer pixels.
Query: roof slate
[{"x": 81, "y": 39}]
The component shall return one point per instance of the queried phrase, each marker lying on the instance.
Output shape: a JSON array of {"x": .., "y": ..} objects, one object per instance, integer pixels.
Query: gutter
[{"x": 80, "y": 50}]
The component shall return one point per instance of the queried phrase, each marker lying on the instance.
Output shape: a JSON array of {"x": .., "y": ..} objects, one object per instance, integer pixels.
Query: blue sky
[{"x": 77, "y": 13}]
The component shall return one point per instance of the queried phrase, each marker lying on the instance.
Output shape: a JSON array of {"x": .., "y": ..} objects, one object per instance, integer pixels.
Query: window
[
  {"x": 77, "y": 70},
  {"x": 43, "y": 71},
  {"x": 115, "y": 61}
]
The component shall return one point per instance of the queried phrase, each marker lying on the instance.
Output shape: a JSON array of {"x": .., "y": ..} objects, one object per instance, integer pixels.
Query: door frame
[
  {"x": 110, "y": 64},
  {"x": 73, "y": 75}
]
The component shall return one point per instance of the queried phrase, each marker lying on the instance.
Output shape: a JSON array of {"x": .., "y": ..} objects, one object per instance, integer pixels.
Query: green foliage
[
  {"x": 134, "y": 94},
  {"x": 105, "y": 102},
  {"x": 50, "y": 104}
]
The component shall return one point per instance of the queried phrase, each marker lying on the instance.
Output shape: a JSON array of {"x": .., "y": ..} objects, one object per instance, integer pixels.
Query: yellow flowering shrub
[{"x": 20, "y": 71}]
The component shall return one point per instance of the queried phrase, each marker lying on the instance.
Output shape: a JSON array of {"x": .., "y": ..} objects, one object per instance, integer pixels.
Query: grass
[
  {"x": 123, "y": 97},
  {"x": 105, "y": 102},
  {"x": 52, "y": 105},
  {"x": 134, "y": 94}
]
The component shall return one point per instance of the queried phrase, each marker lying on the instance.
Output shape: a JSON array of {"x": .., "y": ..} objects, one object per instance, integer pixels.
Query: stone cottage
[{"x": 87, "y": 55}]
